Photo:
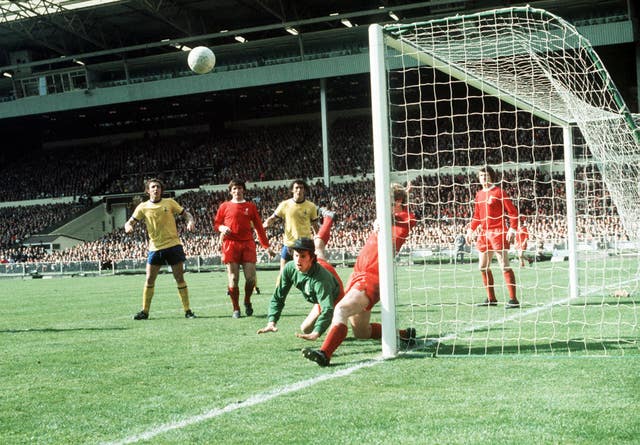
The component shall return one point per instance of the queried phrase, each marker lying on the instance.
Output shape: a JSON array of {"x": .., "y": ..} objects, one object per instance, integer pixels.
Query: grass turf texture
[{"x": 77, "y": 369}]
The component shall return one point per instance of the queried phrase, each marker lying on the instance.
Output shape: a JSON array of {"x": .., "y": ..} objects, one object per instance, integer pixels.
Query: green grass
[{"x": 77, "y": 369}]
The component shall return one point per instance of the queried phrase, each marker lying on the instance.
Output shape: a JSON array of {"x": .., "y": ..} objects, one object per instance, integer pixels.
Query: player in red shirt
[
  {"x": 236, "y": 220},
  {"x": 363, "y": 287},
  {"x": 492, "y": 209}
]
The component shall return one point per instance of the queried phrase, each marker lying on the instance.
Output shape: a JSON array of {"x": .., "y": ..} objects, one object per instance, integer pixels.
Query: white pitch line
[
  {"x": 251, "y": 401},
  {"x": 522, "y": 313},
  {"x": 266, "y": 396}
]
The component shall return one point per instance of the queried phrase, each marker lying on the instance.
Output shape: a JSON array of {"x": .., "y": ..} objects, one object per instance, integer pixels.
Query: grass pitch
[{"x": 77, "y": 369}]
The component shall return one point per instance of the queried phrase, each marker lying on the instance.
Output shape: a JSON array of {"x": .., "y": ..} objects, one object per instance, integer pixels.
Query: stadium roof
[
  {"x": 46, "y": 35},
  {"x": 48, "y": 30}
]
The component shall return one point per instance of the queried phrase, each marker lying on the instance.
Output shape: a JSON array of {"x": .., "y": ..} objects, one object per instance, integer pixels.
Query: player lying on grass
[
  {"x": 363, "y": 288},
  {"x": 159, "y": 214},
  {"x": 319, "y": 284}
]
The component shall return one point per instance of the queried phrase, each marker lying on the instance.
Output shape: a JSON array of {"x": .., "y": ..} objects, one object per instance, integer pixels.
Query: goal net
[{"x": 520, "y": 90}]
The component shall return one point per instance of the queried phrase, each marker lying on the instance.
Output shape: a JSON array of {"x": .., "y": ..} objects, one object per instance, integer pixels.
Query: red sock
[
  {"x": 325, "y": 230},
  {"x": 234, "y": 294},
  {"x": 510, "y": 279},
  {"x": 376, "y": 331},
  {"x": 248, "y": 291},
  {"x": 487, "y": 280},
  {"x": 335, "y": 337}
]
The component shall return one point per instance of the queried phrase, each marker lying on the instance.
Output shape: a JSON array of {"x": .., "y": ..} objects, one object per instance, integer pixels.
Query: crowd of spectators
[
  {"x": 441, "y": 202},
  {"x": 446, "y": 148},
  {"x": 264, "y": 153},
  {"x": 188, "y": 160}
]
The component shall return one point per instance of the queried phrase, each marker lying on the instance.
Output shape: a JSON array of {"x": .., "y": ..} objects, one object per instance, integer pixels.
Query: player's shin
[
  {"x": 335, "y": 337},
  {"x": 147, "y": 296},
  {"x": 183, "y": 292}
]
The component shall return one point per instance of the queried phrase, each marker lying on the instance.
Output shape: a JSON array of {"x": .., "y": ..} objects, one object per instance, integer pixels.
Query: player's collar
[
  {"x": 155, "y": 202},
  {"x": 239, "y": 202},
  {"x": 489, "y": 188},
  {"x": 298, "y": 202}
]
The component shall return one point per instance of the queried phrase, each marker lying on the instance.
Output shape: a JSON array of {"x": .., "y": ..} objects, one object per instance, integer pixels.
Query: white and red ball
[{"x": 201, "y": 60}]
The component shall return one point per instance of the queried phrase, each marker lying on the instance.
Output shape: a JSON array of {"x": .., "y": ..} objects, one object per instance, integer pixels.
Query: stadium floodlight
[
  {"x": 346, "y": 22},
  {"x": 240, "y": 39},
  {"x": 519, "y": 89},
  {"x": 291, "y": 30},
  {"x": 394, "y": 16},
  {"x": 7, "y": 74}
]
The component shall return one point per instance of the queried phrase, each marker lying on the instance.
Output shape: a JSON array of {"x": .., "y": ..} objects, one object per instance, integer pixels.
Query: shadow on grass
[
  {"x": 50, "y": 330},
  {"x": 570, "y": 347},
  {"x": 608, "y": 302}
]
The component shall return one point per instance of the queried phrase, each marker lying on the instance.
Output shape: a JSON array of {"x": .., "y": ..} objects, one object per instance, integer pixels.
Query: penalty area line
[{"x": 251, "y": 401}]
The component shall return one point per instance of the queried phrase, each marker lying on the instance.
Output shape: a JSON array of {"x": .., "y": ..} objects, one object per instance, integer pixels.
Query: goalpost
[{"x": 521, "y": 90}]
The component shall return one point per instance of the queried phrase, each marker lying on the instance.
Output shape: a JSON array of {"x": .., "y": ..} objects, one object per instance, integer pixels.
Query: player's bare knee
[{"x": 341, "y": 314}]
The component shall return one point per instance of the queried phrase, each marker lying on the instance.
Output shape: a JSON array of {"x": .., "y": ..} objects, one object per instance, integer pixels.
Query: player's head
[
  {"x": 237, "y": 183},
  {"x": 399, "y": 194},
  {"x": 488, "y": 172},
  {"x": 298, "y": 189},
  {"x": 304, "y": 254},
  {"x": 149, "y": 183},
  {"x": 299, "y": 183}
]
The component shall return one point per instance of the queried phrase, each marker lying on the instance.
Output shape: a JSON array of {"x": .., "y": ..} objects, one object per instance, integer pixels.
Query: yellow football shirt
[
  {"x": 297, "y": 219},
  {"x": 159, "y": 217}
]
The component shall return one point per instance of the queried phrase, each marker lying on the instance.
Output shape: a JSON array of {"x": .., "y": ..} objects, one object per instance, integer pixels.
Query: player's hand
[
  {"x": 311, "y": 337},
  {"x": 128, "y": 228},
  {"x": 469, "y": 237},
  {"x": 511, "y": 235},
  {"x": 224, "y": 230},
  {"x": 191, "y": 225},
  {"x": 270, "y": 327}
]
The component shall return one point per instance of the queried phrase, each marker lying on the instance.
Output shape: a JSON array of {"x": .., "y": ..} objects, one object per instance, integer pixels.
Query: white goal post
[{"x": 521, "y": 90}]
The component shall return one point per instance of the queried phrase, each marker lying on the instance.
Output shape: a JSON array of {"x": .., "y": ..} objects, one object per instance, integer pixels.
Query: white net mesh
[{"x": 499, "y": 88}]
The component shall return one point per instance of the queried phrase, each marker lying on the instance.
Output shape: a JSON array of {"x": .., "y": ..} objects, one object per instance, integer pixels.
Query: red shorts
[
  {"x": 521, "y": 246},
  {"x": 495, "y": 240},
  {"x": 365, "y": 282},
  {"x": 239, "y": 252}
]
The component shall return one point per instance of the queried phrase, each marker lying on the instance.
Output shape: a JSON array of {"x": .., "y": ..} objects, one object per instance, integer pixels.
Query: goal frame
[{"x": 378, "y": 42}]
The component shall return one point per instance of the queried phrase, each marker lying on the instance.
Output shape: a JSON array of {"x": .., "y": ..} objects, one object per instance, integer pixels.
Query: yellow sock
[
  {"x": 183, "y": 291},
  {"x": 147, "y": 295}
]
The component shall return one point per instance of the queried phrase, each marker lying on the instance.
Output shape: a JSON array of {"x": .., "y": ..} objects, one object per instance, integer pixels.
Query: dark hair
[
  {"x": 301, "y": 182},
  {"x": 238, "y": 183},
  {"x": 489, "y": 171},
  {"x": 305, "y": 244},
  {"x": 149, "y": 181}
]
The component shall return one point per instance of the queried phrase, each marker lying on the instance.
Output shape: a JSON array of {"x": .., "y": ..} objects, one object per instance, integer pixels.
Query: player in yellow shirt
[
  {"x": 300, "y": 219},
  {"x": 159, "y": 214}
]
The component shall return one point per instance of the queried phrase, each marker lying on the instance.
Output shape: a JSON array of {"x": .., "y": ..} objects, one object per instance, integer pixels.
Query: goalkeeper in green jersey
[{"x": 319, "y": 284}]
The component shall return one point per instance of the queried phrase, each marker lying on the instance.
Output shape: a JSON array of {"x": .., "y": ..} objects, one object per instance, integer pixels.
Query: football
[{"x": 201, "y": 60}]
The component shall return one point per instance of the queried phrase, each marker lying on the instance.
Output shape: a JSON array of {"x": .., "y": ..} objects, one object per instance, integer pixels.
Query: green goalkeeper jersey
[{"x": 318, "y": 285}]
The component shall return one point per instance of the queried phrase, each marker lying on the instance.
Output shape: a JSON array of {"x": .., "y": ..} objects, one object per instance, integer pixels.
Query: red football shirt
[
  {"x": 241, "y": 218},
  {"x": 491, "y": 205},
  {"x": 367, "y": 260}
]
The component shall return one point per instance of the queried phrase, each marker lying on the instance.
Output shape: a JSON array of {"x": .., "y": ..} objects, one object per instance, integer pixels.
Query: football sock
[
  {"x": 487, "y": 280},
  {"x": 335, "y": 337},
  {"x": 147, "y": 295},
  {"x": 234, "y": 294},
  {"x": 325, "y": 230},
  {"x": 510, "y": 280},
  {"x": 183, "y": 292},
  {"x": 376, "y": 331},
  {"x": 248, "y": 291}
]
